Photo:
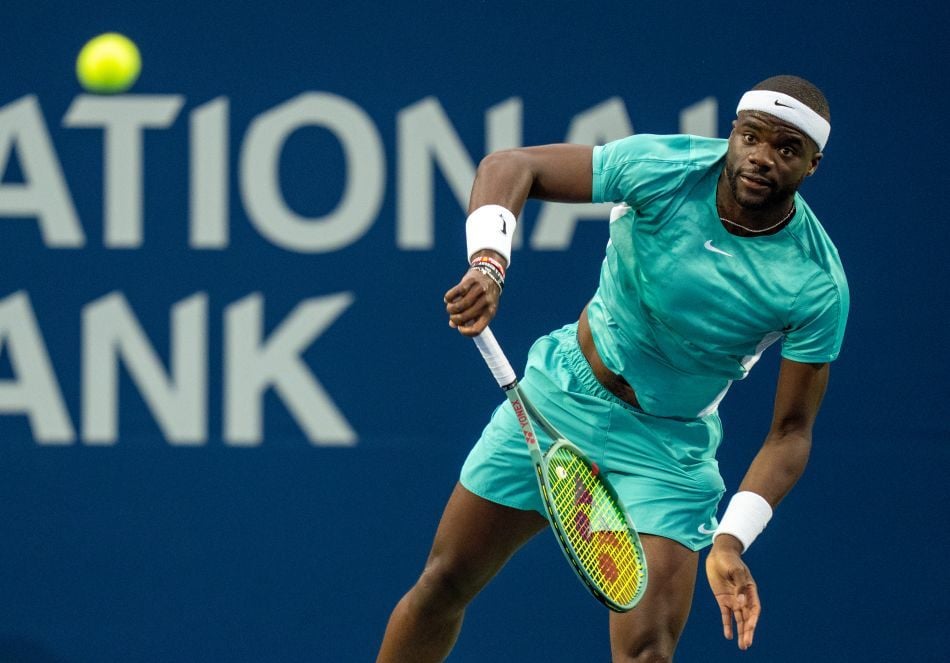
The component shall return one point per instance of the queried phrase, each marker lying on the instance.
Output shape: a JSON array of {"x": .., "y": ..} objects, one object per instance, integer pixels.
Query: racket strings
[{"x": 595, "y": 527}]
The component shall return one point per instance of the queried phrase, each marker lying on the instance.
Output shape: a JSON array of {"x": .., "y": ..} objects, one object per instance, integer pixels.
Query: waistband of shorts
[{"x": 580, "y": 367}]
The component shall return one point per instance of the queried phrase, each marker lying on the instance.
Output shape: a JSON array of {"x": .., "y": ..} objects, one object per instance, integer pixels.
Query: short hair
[{"x": 795, "y": 86}]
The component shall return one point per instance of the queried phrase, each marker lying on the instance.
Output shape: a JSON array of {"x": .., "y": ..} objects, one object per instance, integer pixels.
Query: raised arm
[
  {"x": 508, "y": 178},
  {"x": 773, "y": 472},
  {"x": 561, "y": 173}
]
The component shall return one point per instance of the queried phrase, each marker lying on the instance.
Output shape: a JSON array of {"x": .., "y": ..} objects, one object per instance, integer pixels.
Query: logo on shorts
[{"x": 703, "y": 530}]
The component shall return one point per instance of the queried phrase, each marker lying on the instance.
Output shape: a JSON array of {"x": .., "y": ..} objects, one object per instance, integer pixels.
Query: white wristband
[
  {"x": 746, "y": 516},
  {"x": 490, "y": 227}
]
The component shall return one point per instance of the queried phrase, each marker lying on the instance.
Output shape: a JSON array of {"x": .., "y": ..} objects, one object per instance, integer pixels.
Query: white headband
[{"x": 789, "y": 109}]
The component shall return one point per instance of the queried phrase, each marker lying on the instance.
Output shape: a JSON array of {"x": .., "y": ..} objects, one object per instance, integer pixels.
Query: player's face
[{"x": 767, "y": 160}]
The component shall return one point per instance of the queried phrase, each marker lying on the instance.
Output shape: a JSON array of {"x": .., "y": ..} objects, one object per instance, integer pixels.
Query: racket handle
[{"x": 495, "y": 358}]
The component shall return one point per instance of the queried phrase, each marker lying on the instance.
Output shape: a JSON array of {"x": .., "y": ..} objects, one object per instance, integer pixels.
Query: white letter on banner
[
  {"x": 209, "y": 190},
  {"x": 112, "y": 333},
  {"x": 701, "y": 119},
  {"x": 34, "y": 391},
  {"x": 365, "y": 174},
  {"x": 122, "y": 119},
  {"x": 556, "y": 222},
  {"x": 253, "y": 366},
  {"x": 425, "y": 137},
  {"x": 43, "y": 193}
]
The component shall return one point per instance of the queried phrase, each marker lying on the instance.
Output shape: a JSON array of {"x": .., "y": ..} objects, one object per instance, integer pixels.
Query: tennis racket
[{"x": 592, "y": 527}]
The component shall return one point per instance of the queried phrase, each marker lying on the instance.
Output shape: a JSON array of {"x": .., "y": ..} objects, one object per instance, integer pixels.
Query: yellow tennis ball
[{"x": 108, "y": 64}]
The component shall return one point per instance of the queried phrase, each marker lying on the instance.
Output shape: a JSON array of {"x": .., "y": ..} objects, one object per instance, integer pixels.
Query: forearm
[
  {"x": 775, "y": 469},
  {"x": 781, "y": 460},
  {"x": 778, "y": 465}
]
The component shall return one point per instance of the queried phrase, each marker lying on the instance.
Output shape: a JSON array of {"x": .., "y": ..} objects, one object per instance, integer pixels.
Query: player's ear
[{"x": 814, "y": 164}]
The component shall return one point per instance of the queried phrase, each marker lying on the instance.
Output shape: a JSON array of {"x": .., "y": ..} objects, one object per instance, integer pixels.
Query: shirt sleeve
[
  {"x": 639, "y": 168},
  {"x": 822, "y": 313}
]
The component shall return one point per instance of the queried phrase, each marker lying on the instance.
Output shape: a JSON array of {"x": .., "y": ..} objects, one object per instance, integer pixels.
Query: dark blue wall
[{"x": 293, "y": 545}]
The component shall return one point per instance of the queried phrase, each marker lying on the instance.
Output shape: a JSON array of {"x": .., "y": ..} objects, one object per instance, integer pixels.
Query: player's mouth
[{"x": 757, "y": 182}]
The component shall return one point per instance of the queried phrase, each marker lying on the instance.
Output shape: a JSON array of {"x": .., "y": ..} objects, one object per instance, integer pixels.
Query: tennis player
[{"x": 713, "y": 256}]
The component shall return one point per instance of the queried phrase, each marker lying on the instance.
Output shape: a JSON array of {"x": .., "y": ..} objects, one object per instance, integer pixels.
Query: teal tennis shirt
[{"x": 684, "y": 308}]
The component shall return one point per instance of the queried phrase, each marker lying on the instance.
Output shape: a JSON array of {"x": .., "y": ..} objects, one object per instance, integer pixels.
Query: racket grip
[{"x": 497, "y": 361}]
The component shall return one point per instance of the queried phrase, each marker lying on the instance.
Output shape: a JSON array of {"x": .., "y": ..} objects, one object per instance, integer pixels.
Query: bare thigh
[
  {"x": 652, "y": 629},
  {"x": 474, "y": 540}
]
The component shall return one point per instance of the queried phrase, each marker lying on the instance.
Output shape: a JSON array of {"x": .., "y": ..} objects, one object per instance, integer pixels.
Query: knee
[
  {"x": 443, "y": 588},
  {"x": 654, "y": 651}
]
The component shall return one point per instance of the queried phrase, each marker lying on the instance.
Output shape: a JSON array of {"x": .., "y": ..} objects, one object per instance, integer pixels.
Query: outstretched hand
[
  {"x": 472, "y": 303},
  {"x": 735, "y": 591}
]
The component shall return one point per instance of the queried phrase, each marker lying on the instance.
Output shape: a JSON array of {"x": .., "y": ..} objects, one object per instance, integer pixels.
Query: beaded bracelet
[
  {"x": 488, "y": 260},
  {"x": 491, "y": 272}
]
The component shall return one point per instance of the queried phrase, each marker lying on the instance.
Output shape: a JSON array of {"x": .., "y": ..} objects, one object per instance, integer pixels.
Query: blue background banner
[{"x": 231, "y": 408}]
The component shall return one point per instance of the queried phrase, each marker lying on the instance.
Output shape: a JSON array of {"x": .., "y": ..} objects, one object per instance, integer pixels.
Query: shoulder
[
  {"x": 645, "y": 167},
  {"x": 817, "y": 246},
  {"x": 824, "y": 292},
  {"x": 682, "y": 149}
]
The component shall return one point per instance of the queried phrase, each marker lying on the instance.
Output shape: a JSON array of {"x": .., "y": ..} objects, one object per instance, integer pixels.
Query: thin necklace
[{"x": 760, "y": 230}]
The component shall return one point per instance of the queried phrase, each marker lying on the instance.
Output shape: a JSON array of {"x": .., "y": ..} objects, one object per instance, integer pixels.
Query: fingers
[
  {"x": 726, "y": 621},
  {"x": 743, "y": 608},
  {"x": 750, "y": 611},
  {"x": 472, "y": 304},
  {"x": 736, "y": 593},
  {"x": 742, "y": 620},
  {"x": 466, "y": 305}
]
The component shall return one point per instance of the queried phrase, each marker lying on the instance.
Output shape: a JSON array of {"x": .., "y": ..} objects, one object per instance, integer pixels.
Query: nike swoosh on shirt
[{"x": 709, "y": 247}]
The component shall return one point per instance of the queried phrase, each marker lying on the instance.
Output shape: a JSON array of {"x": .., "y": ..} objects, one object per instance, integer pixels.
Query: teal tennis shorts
[{"x": 665, "y": 470}]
